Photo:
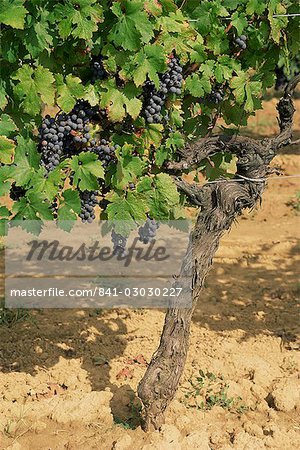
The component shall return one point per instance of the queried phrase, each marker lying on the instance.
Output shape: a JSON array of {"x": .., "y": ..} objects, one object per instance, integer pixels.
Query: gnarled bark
[{"x": 220, "y": 204}]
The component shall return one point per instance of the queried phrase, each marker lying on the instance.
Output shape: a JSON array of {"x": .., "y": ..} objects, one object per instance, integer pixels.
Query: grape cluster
[
  {"x": 54, "y": 208},
  {"x": 241, "y": 41},
  {"x": 171, "y": 81},
  {"x": 216, "y": 96},
  {"x": 65, "y": 134},
  {"x": 51, "y": 142},
  {"x": 105, "y": 151},
  {"x": 88, "y": 203},
  {"x": 98, "y": 71},
  {"x": 148, "y": 231},
  {"x": 119, "y": 243},
  {"x": 17, "y": 192},
  {"x": 154, "y": 100}
]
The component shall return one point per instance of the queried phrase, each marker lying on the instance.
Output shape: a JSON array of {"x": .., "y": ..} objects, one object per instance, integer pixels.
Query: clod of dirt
[
  {"x": 243, "y": 441},
  {"x": 88, "y": 408},
  {"x": 197, "y": 440},
  {"x": 124, "y": 443},
  {"x": 285, "y": 394}
]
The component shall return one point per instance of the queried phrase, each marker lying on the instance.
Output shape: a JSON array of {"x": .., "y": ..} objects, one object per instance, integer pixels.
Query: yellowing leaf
[{"x": 7, "y": 149}]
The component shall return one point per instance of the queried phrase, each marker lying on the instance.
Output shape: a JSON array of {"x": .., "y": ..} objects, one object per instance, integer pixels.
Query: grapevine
[{"x": 104, "y": 106}]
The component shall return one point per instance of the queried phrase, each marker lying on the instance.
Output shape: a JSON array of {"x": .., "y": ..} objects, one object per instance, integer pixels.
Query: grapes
[
  {"x": 98, "y": 71},
  {"x": 216, "y": 96},
  {"x": 119, "y": 243},
  {"x": 54, "y": 208},
  {"x": 17, "y": 192},
  {"x": 88, "y": 202},
  {"x": 65, "y": 134},
  {"x": 170, "y": 83},
  {"x": 50, "y": 143},
  {"x": 148, "y": 231},
  {"x": 241, "y": 41},
  {"x": 105, "y": 152}
]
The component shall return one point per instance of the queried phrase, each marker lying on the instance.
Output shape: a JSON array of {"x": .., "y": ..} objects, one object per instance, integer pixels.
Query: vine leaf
[
  {"x": 126, "y": 211},
  {"x": 26, "y": 162},
  {"x": 117, "y": 102},
  {"x": 69, "y": 91},
  {"x": 239, "y": 22},
  {"x": 196, "y": 85},
  {"x": 29, "y": 212},
  {"x": 4, "y": 215},
  {"x": 255, "y": 6},
  {"x": 7, "y": 125},
  {"x": 86, "y": 169},
  {"x": 148, "y": 62},
  {"x": 48, "y": 186},
  {"x": 38, "y": 37},
  {"x": 133, "y": 26},
  {"x": 7, "y": 149},
  {"x": 79, "y": 18},
  {"x": 12, "y": 13},
  {"x": 34, "y": 87},
  {"x": 69, "y": 206},
  {"x": 129, "y": 168},
  {"x": 164, "y": 197},
  {"x": 3, "y": 97}
]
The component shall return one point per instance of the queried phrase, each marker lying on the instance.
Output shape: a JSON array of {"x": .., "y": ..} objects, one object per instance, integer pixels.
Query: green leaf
[
  {"x": 3, "y": 227},
  {"x": 238, "y": 85},
  {"x": 133, "y": 26},
  {"x": 194, "y": 85},
  {"x": 69, "y": 206},
  {"x": 86, "y": 169},
  {"x": 7, "y": 149},
  {"x": 12, "y": 13},
  {"x": 68, "y": 91},
  {"x": 32, "y": 208},
  {"x": 175, "y": 140},
  {"x": 152, "y": 135},
  {"x": 4, "y": 211},
  {"x": 255, "y": 7},
  {"x": 3, "y": 97},
  {"x": 26, "y": 161},
  {"x": 79, "y": 18},
  {"x": 164, "y": 197},
  {"x": 7, "y": 125},
  {"x": 276, "y": 23},
  {"x": 38, "y": 37},
  {"x": 118, "y": 102},
  {"x": 72, "y": 200},
  {"x": 161, "y": 155},
  {"x": 47, "y": 186},
  {"x": 125, "y": 211},
  {"x": 239, "y": 22},
  {"x": 148, "y": 62},
  {"x": 34, "y": 87},
  {"x": 128, "y": 168}
]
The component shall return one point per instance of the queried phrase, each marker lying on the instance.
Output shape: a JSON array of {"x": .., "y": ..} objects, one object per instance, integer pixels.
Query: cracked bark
[{"x": 220, "y": 204}]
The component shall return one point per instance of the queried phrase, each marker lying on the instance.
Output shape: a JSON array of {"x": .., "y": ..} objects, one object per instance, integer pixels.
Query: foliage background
[{"x": 46, "y": 49}]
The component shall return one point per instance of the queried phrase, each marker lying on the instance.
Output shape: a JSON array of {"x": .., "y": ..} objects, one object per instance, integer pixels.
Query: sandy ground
[{"x": 68, "y": 378}]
